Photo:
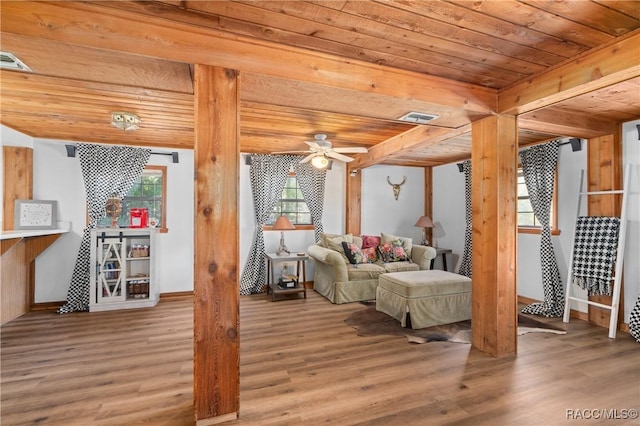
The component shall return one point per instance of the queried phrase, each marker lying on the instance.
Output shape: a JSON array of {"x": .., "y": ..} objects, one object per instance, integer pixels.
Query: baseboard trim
[
  {"x": 46, "y": 306},
  {"x": 584, "y": 316},
  {"x": 54, "y": 306},
  {"x": 176, "y": 295}
]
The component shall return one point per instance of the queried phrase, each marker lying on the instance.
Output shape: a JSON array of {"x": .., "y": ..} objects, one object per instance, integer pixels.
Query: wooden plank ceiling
[{"x": 453, "y": 59}]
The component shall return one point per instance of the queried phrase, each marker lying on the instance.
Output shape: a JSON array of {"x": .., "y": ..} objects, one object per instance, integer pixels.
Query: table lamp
[
  {"x": 282, "y": 224},
  {"x": 424, "y": 222}
]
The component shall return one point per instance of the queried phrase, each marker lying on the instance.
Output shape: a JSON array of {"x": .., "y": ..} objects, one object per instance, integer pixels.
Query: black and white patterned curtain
[
  {"x": 106, "y": 170},
  {"x": 465, "y": 264},
  {"x": 312, "y": 181},
  {"x": 539, "y": 168},
  {"x": 268, "y": 174},
  {"x": 634, "y": 321}
]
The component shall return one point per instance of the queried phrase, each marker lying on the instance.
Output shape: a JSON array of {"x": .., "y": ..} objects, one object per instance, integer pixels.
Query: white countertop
[{"x": 25, "y": 233}]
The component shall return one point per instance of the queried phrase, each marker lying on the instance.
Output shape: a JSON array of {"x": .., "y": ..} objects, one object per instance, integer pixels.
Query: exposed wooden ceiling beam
[
  {"x": 616, "y": 62},
  {"x": 414, "y": 139},
  {"x": 106, "y": 27},
  {"x": 554, "y": 120}
]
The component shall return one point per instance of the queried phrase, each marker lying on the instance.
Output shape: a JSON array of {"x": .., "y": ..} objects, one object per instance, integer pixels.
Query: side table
[
  {"x": 301, "y": 271},
  {"x": 443, "y": 252}
]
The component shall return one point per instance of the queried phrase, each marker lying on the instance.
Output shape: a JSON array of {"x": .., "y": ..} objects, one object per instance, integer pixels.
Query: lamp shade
[
  {"x": 424, "y": 222},
  {"x": 282, "y": 224}
]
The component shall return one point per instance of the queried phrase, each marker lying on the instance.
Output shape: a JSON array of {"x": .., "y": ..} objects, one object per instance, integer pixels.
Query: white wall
[
  {"x": 448, "y": 210},
  {"x": 570, "y": 165},
  {"x": 58, "y": 177},
  {"x": 297, "y": 240},
  {"x": 381, "y": 212}
]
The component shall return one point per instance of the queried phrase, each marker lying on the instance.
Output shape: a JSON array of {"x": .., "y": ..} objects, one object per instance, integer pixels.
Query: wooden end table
[
  {"x": 443, "y": 252},
  {"x": 272, "y": 285}
]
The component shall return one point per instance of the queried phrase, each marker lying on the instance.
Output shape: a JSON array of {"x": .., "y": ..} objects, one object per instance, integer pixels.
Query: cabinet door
[
  {"x": 110, "y": 273},
  {"x": 138, "y": 266}
]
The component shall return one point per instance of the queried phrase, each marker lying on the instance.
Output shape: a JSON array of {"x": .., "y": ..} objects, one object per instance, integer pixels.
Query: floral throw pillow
[
  {"x": 371, "y": 253},
  {"x": 393, "y": 252},
  {"x": 370, "y": 241},
  {"x": 353, "y": 253}
]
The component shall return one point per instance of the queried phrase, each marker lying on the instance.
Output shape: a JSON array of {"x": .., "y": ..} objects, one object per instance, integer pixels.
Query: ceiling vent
[
  {"x": 10, "y": 62},
  {"x": 418, "y": 117}
]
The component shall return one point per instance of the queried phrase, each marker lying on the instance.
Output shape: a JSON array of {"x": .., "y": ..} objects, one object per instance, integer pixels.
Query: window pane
[
  {"x": 291, "y": 204},
  {"x": 146, "y": 192}
]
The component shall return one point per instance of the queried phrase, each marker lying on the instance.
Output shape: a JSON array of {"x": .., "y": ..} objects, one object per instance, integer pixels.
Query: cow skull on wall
[{"x": 396, "y": 186}]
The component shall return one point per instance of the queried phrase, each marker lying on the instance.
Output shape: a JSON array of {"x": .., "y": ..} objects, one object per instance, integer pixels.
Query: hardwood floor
[{"x": 301, "y": 365}]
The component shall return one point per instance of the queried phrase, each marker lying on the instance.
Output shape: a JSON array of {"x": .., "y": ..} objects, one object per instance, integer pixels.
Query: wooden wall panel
[
  {"x": 604, "y": 173},
  {"x": 428, "y": 200},
  {"x": 494, "y": 169},
  {"x": 354, "y": 202},
  {"x": 14, "y": 291},
  {"x": 216, "y": 360},
  {"x": 18, "y": 179}
]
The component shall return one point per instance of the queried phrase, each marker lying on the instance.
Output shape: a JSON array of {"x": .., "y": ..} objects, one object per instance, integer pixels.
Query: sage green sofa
[{"x": 342, "y": 282}]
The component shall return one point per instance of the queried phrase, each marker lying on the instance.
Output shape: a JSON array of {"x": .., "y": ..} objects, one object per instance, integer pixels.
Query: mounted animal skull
[{"x": 396, "y": 186}]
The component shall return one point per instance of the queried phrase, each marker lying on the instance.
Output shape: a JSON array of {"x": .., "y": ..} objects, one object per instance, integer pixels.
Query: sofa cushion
[
  {"x": 354, "y": 254},
  {"x": 406, "y": 243},
  {"x": 370, "y": 241},
  {"x": 401, "y": 267},
  {"x": 425, "y": 283},
  {"x": 365, "y": 271},
  {"x": 393, "y": 252}
]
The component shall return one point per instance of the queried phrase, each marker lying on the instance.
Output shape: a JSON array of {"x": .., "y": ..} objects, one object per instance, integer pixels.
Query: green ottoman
[{"x": 431, "y": 297}]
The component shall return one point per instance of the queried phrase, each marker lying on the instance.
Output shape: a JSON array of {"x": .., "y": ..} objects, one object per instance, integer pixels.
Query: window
[
  {"x": 292, "y": 205},
  {"x": 527, "y": 220},
  {"x": 149, "y": 192}
]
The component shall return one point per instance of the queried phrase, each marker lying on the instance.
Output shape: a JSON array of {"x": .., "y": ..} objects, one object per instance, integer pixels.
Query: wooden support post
[
  {"x": 494, "y": 169},
  {"x": 604, "y": 173},
  {"x": 428, "y": 200},
  {"x": 353, "y": 201},
  {"x": 216, "y": 357}
]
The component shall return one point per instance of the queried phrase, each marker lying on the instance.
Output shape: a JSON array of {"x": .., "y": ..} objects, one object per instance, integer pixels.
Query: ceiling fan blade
[
  {"x": 352, "y": 150},
  {"x": 340, "y": 157},
  {"x": 313, "y": 145},
  {"x": 308, "y": 158}
]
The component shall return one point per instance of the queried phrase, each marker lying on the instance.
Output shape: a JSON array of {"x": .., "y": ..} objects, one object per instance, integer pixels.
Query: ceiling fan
[{"x": 320, "y": 148}]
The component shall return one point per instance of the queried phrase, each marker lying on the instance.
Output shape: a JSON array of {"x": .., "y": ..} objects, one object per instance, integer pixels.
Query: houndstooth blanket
[{"x": 594, "y": 253}]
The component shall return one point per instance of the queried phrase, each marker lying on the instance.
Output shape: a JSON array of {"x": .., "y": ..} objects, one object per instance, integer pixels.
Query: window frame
[
  {"x": 301, "y": 227},
  {"x": 162, "y": 226},
  {"x": 524, "y": 229}
]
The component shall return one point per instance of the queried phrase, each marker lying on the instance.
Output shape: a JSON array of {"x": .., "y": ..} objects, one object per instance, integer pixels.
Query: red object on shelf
[{"x": 138, "y": 218}]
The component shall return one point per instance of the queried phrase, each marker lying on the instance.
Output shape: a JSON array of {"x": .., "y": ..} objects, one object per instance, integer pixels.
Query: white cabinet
[{"x": 122, "y": 269}]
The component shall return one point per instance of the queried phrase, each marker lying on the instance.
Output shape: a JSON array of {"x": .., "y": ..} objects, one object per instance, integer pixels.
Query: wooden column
[
  {"x": 604, "y": 173},
  {"x": 494, "y": 170},
  {"x": 428, "y": 200},
  {"x": 216, "y": 357},
  {"x": 353, "y": 201}
]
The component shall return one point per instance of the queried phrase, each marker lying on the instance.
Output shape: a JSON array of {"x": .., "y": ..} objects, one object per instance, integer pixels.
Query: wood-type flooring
[{"x": 301, "y": 365}]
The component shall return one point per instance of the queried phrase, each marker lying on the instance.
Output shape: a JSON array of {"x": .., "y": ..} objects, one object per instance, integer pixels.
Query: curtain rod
[
  {"x": 71, "y": 152},
  {"x": 576, "y": 145}
]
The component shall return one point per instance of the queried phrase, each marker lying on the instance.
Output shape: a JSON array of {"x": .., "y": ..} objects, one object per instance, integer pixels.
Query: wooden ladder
[{"x": 622, "y": 233}]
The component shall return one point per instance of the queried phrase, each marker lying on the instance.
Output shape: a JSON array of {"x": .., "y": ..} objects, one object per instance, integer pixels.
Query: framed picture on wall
[{"x": 35, "y": 214}]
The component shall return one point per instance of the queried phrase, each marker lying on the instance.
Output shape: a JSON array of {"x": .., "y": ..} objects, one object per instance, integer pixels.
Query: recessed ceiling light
[
  {"x": 11, "y": 62},
  {"x": 418, "y": 117}
]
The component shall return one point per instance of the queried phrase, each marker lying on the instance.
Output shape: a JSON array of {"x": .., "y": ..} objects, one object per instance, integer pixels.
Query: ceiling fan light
[{"x": 320, "y": 162}]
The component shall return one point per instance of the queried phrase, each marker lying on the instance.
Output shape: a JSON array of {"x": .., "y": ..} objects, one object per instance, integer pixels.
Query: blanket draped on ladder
[{"x": 594, "y": 253}]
